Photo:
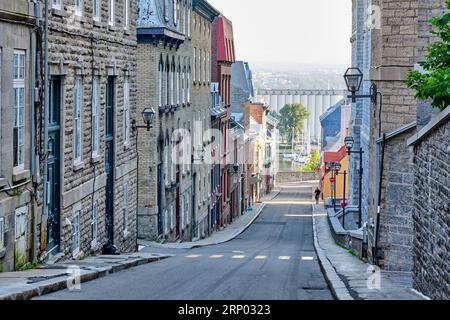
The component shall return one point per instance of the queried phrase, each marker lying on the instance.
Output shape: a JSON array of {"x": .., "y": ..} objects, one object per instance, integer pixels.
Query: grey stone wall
[
  {"x": 431, "y": 202},
  {"x": 14, "y": 186}
]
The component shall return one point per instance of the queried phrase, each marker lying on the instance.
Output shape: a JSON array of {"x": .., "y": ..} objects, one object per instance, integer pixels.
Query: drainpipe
[
  {"x": 46, "y": 113},
  {"x": 380, "y": 185},
  {"x": 34, "y": 74}
]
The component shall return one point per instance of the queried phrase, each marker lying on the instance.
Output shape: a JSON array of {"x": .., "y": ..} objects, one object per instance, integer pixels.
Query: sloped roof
[{"x": 335, "y": 156}]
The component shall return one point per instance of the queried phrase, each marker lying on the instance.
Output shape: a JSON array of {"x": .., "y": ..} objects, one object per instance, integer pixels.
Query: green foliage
[
  {"x": 434, "y": 83},
  {"x": 2, "y": 268},
  {"x": 275, "y": 114},
  {"x": 314, "y": 161},
  {"x": 292, "y": 117},
  {"x": 21, "y": 264}
]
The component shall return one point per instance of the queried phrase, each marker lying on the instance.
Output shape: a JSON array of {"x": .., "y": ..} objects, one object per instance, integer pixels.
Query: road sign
[
  {"x": 332, "y": 179},
  {"x": 344, "y": 204}
]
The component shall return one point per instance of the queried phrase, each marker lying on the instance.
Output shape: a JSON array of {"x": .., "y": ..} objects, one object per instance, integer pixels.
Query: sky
[{"x": 303, "y": 32}]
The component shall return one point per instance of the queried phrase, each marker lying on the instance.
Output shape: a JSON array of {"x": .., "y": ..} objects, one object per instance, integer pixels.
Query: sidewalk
[
  {"x": 23, "y": 285},
  {"x": 349, "y": 277},
  {"x": 227, "y": 234}
]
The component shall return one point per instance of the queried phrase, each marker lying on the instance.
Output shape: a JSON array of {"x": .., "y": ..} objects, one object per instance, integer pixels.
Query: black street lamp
[
  {"x": 349, "y": 142},
  {"x": 337, "y": 168},
  {"x": 148, "y": 115},
  {"x": 353, "y": 79}
]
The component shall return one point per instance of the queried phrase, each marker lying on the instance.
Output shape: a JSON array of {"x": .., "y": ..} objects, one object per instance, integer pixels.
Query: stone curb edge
[
  {"x": 60, "y": 283},
  {"x": 337, "y": 287}
]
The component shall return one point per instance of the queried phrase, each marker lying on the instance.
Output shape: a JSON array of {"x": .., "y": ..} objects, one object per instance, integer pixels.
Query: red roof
[
  {"x": 335, "y": 156},
  {"x": 225, "y": 40}
]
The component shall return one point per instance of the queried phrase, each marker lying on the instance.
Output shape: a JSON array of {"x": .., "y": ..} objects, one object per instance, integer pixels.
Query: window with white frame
[
  {"x": 175, "y": 12},
  {"x": 172, "y": 160},
  {"x": 2, "y": 232},
  {"x": 76, "y": 233},
  {"x": 126, "y": 110},
  {"x": 126, "y": 14},
  {"x": 77, "y": 126},
  {"x": 183, "y": 211},
  {"x": 178, "y": 83},
  {"x": 56, "y": 4},
  {"x": 188, "y": 216},
  {"x": 205, "y": 77},
  {"x": 183, "y": 85},
  {"x": 96, "y": 9},
  {"x": 19, "y": 110},
  {"x": 172, "y": 222},
  {"x": 161, "y": 80},
  {"x": 166, "y": 222},
  {"x": 194, "y": 76},
  {"x": 188, "y": 86},
  {"x": 79, "y": 4},
  {"x": 171, "y": 74},
  {"x": 166, "y": 162},
  {"x": 94, "y": 223},
  {"x": 188, "y": 22},
  {"x": 200, "y": 74},
  {"x": 111, "y": 4},
  {"x": 125, "y": 207},
  {"x": 183, "y": 19},
  {"x": 95, "y": 116}
]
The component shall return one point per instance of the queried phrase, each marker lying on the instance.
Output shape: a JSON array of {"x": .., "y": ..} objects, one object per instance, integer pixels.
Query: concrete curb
[
  {"x": 337, "y": 286},
  {"x": 87, "y": 274}
]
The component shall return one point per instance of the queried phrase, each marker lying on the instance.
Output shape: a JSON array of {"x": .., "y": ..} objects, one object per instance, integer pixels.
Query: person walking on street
[{"x": 317, "y": 195}]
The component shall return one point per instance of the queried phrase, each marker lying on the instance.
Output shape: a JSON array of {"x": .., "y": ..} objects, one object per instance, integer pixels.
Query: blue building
[
  {"x": 360, "y": 117},
  {"x": 331, "y": 125}
]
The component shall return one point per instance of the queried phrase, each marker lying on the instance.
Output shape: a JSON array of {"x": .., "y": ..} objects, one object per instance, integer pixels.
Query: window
[
  {"x": 77, "y": 131},
  {"x": 167, "y": 83},
  {"x": 96, "y": 9},
  {"x": 79, "y": 7},
  {"x": 95, "y": 116},
  {"x": 178, "y": 84},
  {"x": 172, "y": 222},
  {"x": 175, "y": 12},
  {"x": 56, "y": 4},
  {"x": 94, "y": 223},
  {"x": 126, "y": 110},
  {"x": 111, "y": 12},
  {"x": 173, "y": 159},
  {"x": 166, "y": 220},
  {"x": 200, "y": 65},
  {"x": 189, "y": 22},
  {"x": 125, "y": 207},
  {"x": 166, "y": 162},
  {"x": 205, "y": 77},
  {"x": 76, "y": 234},
  {"x": 195, "y": 65},
  {"x": 171, "y": 74},
  {"x": 126, "y": 14},
  {"x": 188, "y": 86},
  {"x": 183, "y": 22},
  {"x": 2, "y": 233},
  {"x": 183, "y": 85},
  {"x": 19, "y": 110},
  {"x": 161, "y": 80}
]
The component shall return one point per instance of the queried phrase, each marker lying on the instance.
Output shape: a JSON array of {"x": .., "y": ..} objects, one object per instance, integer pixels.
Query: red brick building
[{"x": 223, "y": 56}]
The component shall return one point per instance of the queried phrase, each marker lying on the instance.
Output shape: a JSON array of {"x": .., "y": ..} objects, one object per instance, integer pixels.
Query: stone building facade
[
  {"x": 166, "y": 197},
  {"x": 17, "y": 80},
  {"x": 90, "y": 172},
  {"x": 202, "y": 17},
  {"x": 223, "y": 56},
  {"x": 431, "y": 202}
]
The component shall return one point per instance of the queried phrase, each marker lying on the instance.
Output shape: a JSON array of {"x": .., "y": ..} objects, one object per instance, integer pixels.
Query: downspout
[
  {"x": 46, "y": 113},
  {"x": 380, "y": 185},
  {"x": 34, "y": 70}
]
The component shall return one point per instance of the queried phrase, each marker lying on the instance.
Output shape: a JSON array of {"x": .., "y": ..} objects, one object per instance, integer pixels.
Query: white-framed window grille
[
  {"x": 126, "y": 110},
  {"x": 96, "y": 10},
  {"x": 2, "y": 232},
  {"x": 76, "y": 233},
  {"x": 57, "y": 4},
  {"x": 111, "y": 5},
  {"x": 125, "y": 208},
  {"x": 77, "y": 119},
  {"x": 126, "y": 14},
  {"x": 94, "y": 223},
  {"x": 79, "y": 7},
  {"x": 96, "y": 117},
  {"x": 19, "y": 110}
]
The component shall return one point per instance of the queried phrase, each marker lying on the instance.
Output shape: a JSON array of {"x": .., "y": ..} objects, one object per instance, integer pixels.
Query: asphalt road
[{"x": 274, "y": 259}]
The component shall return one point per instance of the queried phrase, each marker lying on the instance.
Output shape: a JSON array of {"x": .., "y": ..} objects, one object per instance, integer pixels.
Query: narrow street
[{"x": 273, "y": 259}]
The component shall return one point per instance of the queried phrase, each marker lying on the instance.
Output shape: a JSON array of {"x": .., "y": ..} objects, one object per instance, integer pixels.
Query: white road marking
[
  {"x": 299, "y": 215},
  {"x": 284, "y": 258},
  {"x": 193, "y": 256},
  {"x": 307, "y": 258},
  {"x": 238, "y": 257},
  {"x": 260, "y": 257},
  {"x": 216, "y": 256}
]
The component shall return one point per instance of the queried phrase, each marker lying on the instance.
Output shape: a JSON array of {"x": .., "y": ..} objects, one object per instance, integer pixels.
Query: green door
[
  {"x": 53, "y": 168},
  {"x": 109, "y": 160}
]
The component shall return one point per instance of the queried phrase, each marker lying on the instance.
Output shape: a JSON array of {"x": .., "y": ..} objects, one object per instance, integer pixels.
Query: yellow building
[{"x": 333, "y": 157}]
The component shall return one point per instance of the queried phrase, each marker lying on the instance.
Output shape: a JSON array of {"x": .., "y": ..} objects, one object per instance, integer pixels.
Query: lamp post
[
  {"x": 349, "y": 142},
  {"x": 344, "y": 203},
  {"x": 337, "y": 168},
  {"x": 148, "y": 116}
]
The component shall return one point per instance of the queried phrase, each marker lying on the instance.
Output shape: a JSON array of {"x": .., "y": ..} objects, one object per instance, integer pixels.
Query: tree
[
  {"x": 434, "y": 83},
  {"x": 292, "y": 117},
  {"x": 314, "y": 161}
]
